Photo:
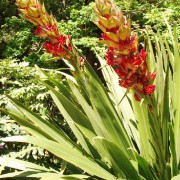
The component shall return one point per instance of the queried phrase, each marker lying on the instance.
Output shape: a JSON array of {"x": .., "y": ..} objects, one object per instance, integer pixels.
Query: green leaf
[
  {"x": 174, "y": 164},
  {"x": 104, "y": 107},
  {"x": 117, "y": 157},
  {"x": 55, "y": 133},
  {"x": 141, "y": 114},
  {"x": 43, "y": 175},
  {"x": 25, "y": 123},
  {"x": 92, "y": 115},
  {"x": 66, "y": 151},
  {"x": 73, "y": 115},
  {"x": 144, "y": 167},
  {"x": 150, "y": 55},
  {"x": 21, "y": 164},
  {"x": 176, "y": 101},
  {"x": 159, "y": 75}
]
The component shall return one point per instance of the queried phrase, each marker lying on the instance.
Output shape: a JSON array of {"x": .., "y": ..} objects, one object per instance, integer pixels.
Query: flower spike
[
  {"x": 122, "y": 54},
  {"x": 56, "y": 44}
]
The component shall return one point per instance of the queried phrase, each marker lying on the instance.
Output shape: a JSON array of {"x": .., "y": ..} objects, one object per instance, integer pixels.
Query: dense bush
[{"x": 7, "y": 9}]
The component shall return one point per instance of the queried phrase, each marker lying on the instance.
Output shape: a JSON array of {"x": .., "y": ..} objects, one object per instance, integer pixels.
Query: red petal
[
  {"x": 149, "y": 89},
  {"x": 143, "y": 54},
  {"x": 153, "y": 76}
]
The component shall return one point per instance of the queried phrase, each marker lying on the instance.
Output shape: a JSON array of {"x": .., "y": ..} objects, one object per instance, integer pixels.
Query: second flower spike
[{"x": 57, "y": 44}]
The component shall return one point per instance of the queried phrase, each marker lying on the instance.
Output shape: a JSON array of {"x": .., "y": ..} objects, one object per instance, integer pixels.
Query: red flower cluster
[
  {"x": 60, "y": 47},
  {"x": 132, "y": 71},
  {"x": 56, "y": 44}
]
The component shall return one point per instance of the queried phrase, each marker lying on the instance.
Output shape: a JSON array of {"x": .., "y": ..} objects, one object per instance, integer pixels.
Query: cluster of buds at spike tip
[
  {"x": 56, "y": 44},
  {"x": 122, "y": 54}
]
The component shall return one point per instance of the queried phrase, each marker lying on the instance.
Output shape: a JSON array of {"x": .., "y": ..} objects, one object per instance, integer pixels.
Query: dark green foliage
[
  {"x": 150, "y": 14},
  {"x": 7, "y": 9},
  {"x": 16, "y": 38},
  {"x": 62, "y": 9}
]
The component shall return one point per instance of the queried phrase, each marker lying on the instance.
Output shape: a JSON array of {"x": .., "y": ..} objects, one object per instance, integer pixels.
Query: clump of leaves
[{"x": 19, "y": 80}]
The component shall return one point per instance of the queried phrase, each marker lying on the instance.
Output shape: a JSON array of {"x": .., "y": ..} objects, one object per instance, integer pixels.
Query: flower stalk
[{"x": 122, "y": 54}]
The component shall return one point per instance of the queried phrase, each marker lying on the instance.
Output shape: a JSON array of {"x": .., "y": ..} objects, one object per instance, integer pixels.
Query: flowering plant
[{"x": 118, "y": 137}]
